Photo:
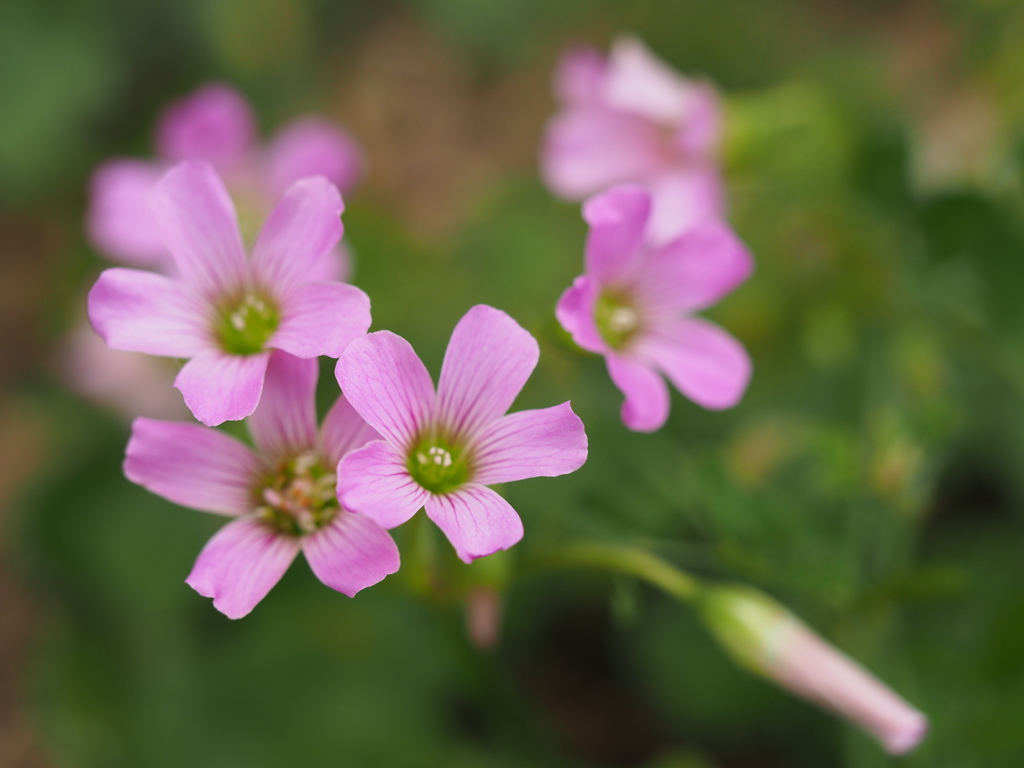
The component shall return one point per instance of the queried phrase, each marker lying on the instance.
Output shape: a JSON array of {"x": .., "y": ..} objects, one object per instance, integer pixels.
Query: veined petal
[
  {"x": 351, "y": 553},
  {"x": 219, "y": 387},
  {"x": 120, "y": 222},
  {"x": 387, "y": 383},
  {"x": 303, "y": 227},
  {"x": 542, "y": 443},
  {"x": 700, "y": 359},
  {"x": 640, "y": 83},
  {"x": 313, "y": 147},
  {"x": 682, "y": 200},
  {"x": 488, "y": 360},
  {"x": 200, "y": 228},
  {"x": 580, "y": 75},
  {"x": 284, "y": 422},
  {"x": 617, "y": 220},
  {"x": 647, "y": 402},
  {"x": 476, "y": 520},
  {"x": 322, "y": 319},
  {"x": 575, "y": 312},
  {"x": 375, "y": 482},
  {"x": 146, "y": 312},
  {"x": 192, "y": 466},
  {"x": 214, "y": 124},
  {"x": 343, "y": 430},
  {"x": 241, "y": 564}
]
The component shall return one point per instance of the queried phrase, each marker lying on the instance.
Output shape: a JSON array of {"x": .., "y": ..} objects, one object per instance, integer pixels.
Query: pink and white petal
[
  {"x": 213, "y": 123},
  {"x": 219, "y": 387},
  {"x": 575, "y": 312},
  {"x": 640, "y": 83},
  {"x": 351, "y": 553},
  {"x": 694, "y": 271},
  {"x": 647, "y": 401},
  {"x": 312, "y": 146},
  {"x": 302, "y": 229},
  {"x": 120, "y": 223},
  {"x": 701, "y": 360},
  {"x": 241, "y": 564},
  {"x": 588, "y": 149},
  {"x": 542, "y": 443},
  {"x": 200, "y": 228},
  {"x": 580, "y": 75},
  {"x": 477, "y": 521},
  {"x": 374, "y": 481},
  {"x": 615, "y": 244},
  {"x": 322, "y": 319},
  {"x": 284, "y": 423},
  {"x": 488, "y": 360},
  {"x": 145, "y": 312},
  {"x": 343, "y": 430},
  {"x": 682, "y": 200},
  {"x": 191, "y": 465},
  {"x": 388, "y": 385}
]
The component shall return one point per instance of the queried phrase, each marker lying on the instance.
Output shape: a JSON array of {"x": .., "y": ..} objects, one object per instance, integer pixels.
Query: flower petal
[
  {"x": 542, "y": 443},
  {"x": 219, "y": 387},
  {"x": 191, "y": 465},
  {"x": 146, "y": 312},
  {"x": 302, "y": 229},
  {"x": 617, "y": 220},
  {"x": 639, "y": 82},
  {"x": 240, "y": 565},
  {"x": 343, "y": 430},
  {"x": 313, "y": 147},
  {"x": 476, "y": 520},
  {"x": 374, "y": 481},
  {"x": 351, "y": 553},
  {"x": 682, "y": 200},
  {"x": 579, "y": 77},
  {"x": 120, "y": 222},
  {"x": 488, "y": 360},
  {"x": 200, "y": 228},
  {"x": 284, "y": 423},
  {"x": 575, "y": 312},
  {"x": 334, "y": 267},
  {"x": 213, "y": 123},
  {"x": 701, "y": 360},
  {"x": 647, "y": 402},
  {"x": 322, "y": 319},
  {"x": 387, "y": 383}
]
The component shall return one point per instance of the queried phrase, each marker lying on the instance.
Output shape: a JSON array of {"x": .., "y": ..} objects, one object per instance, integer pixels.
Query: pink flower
[
  {"x": 629, "y": 118},
  {"x": 441, "y": 451},
  {"x": 281, "y": 496},
  {"x": 635, "y": 302},
  {"x": 225, "y": 312},
  {"x": 216, "y": 125}
]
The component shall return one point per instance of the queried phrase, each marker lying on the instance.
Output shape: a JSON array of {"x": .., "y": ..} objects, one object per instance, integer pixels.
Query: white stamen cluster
[
  {"x": 301, "y": 495},
  {"x": 240, "y": 317},
  {"x": 434, "y": 455}
]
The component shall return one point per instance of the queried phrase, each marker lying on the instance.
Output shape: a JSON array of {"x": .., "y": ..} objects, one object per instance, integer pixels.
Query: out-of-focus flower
[
  {"x": 628, "y": 118},
  {"x": 764, "y": 637},
  {"x": 225, "y": 312},
  {"x": 215, "y": 124},
  {"x": 441, "y": 451},
  {"x": 282, "y": 495},
  {"x": 634, "y": 305}
]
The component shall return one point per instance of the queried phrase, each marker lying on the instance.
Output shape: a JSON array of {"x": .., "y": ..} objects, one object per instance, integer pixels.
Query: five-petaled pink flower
[
  {"x": 224, "y": 311},
  {"x": 282, "y": 495},
  {"x": 628, "y": 118},
  {"x": 634, "y": 305},
  {"x": 216, "y": 125},
  {"x": 441, "y": 451}
]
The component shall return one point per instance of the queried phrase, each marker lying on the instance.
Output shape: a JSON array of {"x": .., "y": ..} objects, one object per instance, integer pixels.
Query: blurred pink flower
[
  {"x": 222, "y": 310},
  {"x": 441, "y": 451},
  {"x": 629, "y": 118},
  {"x": 635, "y": 304},
  {"x": 216, "y": 125},
  {"x": 281, "y": 496}
]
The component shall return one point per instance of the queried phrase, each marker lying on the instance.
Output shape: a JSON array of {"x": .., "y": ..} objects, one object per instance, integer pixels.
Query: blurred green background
[{"x": 870, "y": 479}]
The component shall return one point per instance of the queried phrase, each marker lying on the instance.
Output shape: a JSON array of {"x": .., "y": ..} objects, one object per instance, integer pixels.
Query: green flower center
[
  {"x": 244, "y": 325},
  {"x": 299, "y": 497},
  {"x": 439, "y": 465},
  {"x": 617, "y": 318}
]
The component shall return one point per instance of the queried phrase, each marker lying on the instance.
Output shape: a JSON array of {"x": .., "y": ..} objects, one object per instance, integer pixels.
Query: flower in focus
[
  {"x": 629, "y": 118},
  {"x": 635, "y": 301},
  {"x": 764, "y": 637},
  {"x": 441, "y": 451},
  {"x": 225, "y": 312},
  {"x": 281, "y": 496},
  {"x": 215, "y": 124}
]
